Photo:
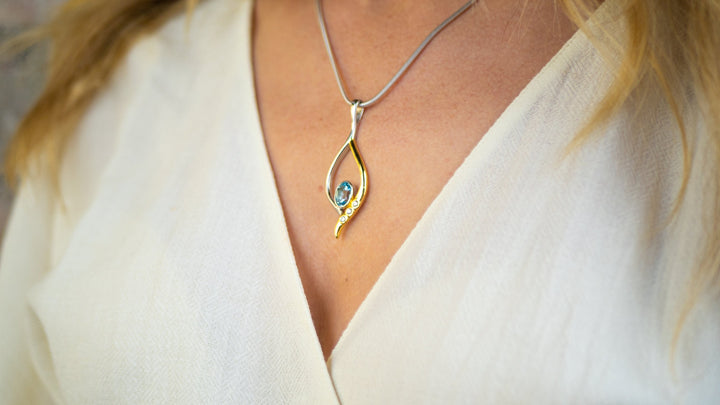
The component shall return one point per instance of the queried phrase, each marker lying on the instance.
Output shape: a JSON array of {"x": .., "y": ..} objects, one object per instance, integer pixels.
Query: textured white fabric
[{"x": 168, "y": 275}]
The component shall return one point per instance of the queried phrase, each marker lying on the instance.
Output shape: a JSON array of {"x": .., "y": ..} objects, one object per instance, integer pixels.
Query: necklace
[{"x": 345, "y": 199}]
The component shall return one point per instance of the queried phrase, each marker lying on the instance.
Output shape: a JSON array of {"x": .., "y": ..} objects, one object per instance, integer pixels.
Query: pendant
[{"x": 346, "y": 200}]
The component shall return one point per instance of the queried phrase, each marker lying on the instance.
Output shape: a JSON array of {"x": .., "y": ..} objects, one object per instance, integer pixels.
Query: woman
[{"x": 532, "y": 228}]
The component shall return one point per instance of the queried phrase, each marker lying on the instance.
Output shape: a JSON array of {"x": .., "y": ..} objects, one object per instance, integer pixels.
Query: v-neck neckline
[{"x": 482, "y": 150}]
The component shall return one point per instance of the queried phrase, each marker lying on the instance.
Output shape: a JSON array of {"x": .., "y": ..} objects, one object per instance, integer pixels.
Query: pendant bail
[{"x": 356, "y": 112}]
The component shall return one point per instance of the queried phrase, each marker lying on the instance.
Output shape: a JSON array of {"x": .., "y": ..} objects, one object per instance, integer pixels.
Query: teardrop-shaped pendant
[{"x": 346, "y": 200}]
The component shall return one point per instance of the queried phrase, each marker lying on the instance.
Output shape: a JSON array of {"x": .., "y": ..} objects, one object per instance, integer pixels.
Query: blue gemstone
[{"x": 343, "y": 194}]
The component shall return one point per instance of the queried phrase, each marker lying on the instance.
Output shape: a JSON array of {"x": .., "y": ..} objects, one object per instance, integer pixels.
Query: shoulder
[{"x": 166, "y": 74}]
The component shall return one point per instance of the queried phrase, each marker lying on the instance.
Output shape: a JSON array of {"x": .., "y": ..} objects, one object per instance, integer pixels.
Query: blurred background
[{"x": 21, "y": 77}]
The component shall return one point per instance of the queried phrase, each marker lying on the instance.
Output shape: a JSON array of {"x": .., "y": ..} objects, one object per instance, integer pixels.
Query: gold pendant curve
[{"x": 344, "y": 198}]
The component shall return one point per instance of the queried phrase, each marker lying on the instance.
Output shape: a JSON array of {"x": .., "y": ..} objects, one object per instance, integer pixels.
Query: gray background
[{"x": 21, "y": 77}]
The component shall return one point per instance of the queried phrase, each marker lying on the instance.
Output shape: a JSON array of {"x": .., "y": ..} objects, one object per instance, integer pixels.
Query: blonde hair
[
  {"x": 676, "y": 43},
  {"x": 89, "y": 39}
]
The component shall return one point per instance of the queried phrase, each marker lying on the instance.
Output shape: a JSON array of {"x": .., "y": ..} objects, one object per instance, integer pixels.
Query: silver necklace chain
[
  {"x": 403, "y": 68},
  {"x": 348, "y": 198}
]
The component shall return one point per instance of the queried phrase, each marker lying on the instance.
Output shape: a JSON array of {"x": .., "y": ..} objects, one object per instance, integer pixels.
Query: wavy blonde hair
[{"x": 676, "y": 43}]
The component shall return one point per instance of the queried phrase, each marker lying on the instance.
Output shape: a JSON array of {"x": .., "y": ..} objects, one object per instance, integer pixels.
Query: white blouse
[{"x": 165, "y": 273}]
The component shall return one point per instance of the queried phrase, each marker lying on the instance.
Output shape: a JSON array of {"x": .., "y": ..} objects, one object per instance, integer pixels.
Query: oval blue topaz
[{"x": 343, "y": 194}]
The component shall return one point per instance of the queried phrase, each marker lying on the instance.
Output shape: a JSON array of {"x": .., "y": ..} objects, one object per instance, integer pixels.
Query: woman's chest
[{"x": 183, "y": 286}]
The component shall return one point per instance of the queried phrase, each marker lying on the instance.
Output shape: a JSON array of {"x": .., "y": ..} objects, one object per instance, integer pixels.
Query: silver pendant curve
[{"x": 347, "y": 208}]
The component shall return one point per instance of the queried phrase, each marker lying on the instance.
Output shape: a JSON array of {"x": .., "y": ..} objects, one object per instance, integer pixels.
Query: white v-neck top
[{"x": 166, "y": 275}]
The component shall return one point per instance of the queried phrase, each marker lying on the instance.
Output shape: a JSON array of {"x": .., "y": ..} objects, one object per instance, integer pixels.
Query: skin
[{"x": 412, "y": 141}]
